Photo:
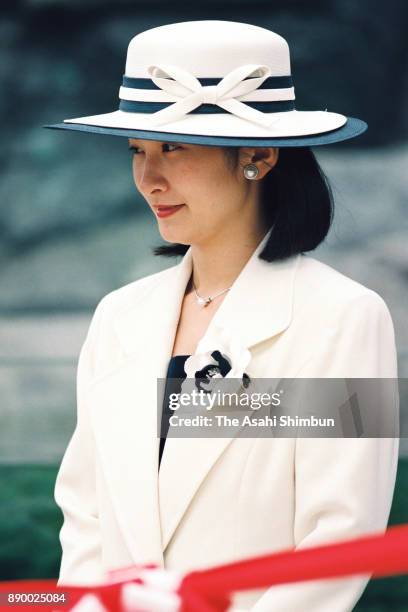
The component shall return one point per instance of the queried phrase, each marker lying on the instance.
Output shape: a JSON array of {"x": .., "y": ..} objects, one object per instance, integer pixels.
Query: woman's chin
[{"x": 172, "y": 235}]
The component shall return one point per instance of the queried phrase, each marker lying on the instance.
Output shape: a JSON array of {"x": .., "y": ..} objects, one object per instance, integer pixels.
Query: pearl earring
[{"x": 251, "y": 171}]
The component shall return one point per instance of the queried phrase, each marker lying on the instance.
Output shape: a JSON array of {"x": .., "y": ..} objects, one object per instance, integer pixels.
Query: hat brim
[{"x": 352, "y": 127}]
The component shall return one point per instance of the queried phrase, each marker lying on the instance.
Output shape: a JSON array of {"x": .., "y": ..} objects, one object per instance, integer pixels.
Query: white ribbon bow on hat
[{"x": 183, "y": 85}]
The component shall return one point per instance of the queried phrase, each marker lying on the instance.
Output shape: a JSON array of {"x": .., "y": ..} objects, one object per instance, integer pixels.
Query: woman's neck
[{"x": 217, "y": 264}]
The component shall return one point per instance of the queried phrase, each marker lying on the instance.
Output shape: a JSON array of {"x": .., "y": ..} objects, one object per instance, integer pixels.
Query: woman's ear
[{"x": 265, "y": 158}]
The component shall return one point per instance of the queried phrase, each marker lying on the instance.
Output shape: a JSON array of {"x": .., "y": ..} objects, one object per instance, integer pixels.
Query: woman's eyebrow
[{"x": 163, "y": 142}]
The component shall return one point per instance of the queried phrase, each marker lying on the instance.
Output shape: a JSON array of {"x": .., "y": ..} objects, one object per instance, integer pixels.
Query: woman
[{"x": 223, "y": 160}]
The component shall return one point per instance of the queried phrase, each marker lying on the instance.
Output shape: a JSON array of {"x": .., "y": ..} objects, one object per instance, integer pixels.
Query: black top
[{"x": 174, "y": 379}]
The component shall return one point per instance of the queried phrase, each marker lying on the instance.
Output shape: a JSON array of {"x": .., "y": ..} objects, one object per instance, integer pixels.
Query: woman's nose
[{"x": 151, "y": 177}]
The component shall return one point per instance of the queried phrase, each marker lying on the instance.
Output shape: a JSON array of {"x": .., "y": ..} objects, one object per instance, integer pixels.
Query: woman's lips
[{"x": 166, "y": 211}]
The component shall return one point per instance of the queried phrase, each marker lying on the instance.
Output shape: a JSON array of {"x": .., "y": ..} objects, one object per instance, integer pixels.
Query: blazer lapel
[{"x": 124, "y": 411}]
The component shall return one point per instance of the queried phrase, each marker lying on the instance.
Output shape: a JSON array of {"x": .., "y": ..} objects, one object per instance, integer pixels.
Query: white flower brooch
[{"x": 218, "y": 355}]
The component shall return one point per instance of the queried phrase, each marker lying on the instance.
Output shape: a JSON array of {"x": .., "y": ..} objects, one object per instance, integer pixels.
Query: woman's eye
[
  {"x": 168, "y": 147},
  {"x": 171, "y": 147}
]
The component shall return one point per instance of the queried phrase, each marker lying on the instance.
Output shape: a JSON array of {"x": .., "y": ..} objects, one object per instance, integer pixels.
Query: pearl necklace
[{"x": 204, "y": 301}]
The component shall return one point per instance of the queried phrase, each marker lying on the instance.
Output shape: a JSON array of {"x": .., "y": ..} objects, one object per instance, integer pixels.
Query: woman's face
[{"x": 194, "y": 191}]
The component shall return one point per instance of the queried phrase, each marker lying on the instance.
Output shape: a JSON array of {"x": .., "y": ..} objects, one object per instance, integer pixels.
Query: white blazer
[{"x": 220, "y": 500}]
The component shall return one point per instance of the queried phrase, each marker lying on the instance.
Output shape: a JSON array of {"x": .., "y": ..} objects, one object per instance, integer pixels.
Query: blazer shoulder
[
  {"x": 348, "y": 326},
  {"x": 323, "y": 285},
  {"x": 101, "y": 344}
]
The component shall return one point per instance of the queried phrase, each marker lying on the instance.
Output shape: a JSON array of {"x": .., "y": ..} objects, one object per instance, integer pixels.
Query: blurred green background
[{"x": 72, "y": 226}]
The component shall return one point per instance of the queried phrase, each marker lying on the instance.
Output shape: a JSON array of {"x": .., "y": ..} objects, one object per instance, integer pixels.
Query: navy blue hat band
[
  {"x": 279, "y": 106},
  {"x": 143, "y": 106},
  {"x": 277, "y": 82}
]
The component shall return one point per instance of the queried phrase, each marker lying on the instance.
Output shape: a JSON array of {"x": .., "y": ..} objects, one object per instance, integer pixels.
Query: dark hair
[{"x": 295, "y": 198}]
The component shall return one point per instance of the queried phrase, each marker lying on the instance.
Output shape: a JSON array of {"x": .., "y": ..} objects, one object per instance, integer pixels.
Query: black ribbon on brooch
[{"x": 222, "y": 367}]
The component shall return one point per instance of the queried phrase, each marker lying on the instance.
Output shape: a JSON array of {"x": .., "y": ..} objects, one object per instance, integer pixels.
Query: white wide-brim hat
[{"x": 214, "y": 83}]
